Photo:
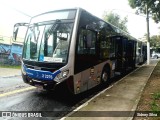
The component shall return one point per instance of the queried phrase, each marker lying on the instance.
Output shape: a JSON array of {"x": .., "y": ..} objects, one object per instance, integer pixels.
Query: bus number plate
[{"x": 47, "y": 76}]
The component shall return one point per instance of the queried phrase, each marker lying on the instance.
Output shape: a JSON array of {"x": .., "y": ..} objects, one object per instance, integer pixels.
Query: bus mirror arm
[
  {"x": 15, "y": 32},
  {"x": 16, "y": 28}
]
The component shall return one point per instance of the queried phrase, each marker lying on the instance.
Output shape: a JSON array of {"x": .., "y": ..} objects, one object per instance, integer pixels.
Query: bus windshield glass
[{"x": 48, "y": 42}]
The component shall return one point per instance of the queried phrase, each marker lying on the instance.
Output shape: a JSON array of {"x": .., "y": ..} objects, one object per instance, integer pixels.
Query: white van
[{"x": 155, "y": 55}]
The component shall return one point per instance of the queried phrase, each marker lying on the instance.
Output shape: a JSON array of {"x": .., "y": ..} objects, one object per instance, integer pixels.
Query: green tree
[
  {"x": 115, "y": 20},
  {"x": 153, "y": 7},
  {"x": 155, "y": 42}
]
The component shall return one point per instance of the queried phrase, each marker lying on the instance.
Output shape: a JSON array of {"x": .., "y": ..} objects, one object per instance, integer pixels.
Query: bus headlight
[{"x": 61, "y": 75}]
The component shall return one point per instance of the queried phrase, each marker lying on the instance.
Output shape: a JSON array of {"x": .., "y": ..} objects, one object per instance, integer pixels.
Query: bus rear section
[{"x": 124, "y": 54}]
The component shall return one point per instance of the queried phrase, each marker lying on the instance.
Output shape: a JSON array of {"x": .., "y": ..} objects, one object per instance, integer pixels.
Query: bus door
[
  {"x": 144, "y": 52},
  {"x": 124, "y": 54},
  {"x": 119, "y": 54},
  {"x": 130, "y": 53},
  {"x": 112, "y": 55},
  {"x": 138, "y": 53}
]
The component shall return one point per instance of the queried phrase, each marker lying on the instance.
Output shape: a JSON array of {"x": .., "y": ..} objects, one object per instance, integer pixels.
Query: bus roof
[{"x": 117, "y": 30}]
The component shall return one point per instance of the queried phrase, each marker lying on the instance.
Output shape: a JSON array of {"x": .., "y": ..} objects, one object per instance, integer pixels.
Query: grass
[
  {"x": 10, "y": 66},
  {"x": 155, "y": 105},
  {"x": 156, "y": 96}
]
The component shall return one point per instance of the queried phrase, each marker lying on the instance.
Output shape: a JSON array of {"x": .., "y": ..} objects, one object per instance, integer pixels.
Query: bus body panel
[{"x": 90, "y": 77}]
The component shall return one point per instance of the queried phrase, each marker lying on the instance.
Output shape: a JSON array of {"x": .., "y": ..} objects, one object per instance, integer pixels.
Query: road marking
[{"x": 17, "y": 91}]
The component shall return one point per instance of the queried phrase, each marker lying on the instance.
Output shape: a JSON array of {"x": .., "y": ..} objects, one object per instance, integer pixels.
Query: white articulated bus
[{"x": 74, "y": 47}]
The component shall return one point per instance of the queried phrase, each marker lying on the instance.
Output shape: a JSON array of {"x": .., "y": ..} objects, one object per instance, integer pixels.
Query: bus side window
[{"x": 86, "y": 42}]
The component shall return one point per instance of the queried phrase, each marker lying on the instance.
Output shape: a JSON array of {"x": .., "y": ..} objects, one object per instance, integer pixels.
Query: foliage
[
  {"x": 115, "y": 20},
  {"x": 155, "y": 105},
  {"x": 155, "y": 42},
  {"x": 10, "y": 66},
  {"x": 153, "y": 7}
]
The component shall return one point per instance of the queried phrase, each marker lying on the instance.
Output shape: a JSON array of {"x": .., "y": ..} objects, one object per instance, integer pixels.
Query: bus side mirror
[
  {"x": 15, "y": 32},
  {"x": 16, "y": 29}
]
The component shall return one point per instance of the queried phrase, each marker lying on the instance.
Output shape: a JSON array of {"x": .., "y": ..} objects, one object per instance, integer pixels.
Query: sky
[{"x": 9, "y": 13}]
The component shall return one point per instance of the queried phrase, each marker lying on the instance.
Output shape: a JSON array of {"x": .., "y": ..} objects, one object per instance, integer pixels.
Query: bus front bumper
[{"x": 40, "y": 83}]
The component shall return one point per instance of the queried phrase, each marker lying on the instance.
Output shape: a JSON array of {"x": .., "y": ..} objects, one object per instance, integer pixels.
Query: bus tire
[{"x": 105, "y": 77}]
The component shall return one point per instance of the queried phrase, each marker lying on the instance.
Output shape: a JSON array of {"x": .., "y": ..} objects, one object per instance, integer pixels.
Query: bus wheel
[{"x": 105, "y": 75}]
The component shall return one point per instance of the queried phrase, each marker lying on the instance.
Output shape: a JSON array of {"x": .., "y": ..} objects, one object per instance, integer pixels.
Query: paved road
[
  {"x": 9, "y": 72},
  {"x": 11, "y": 83},
  {"x": 39, "y": 100},
  {"x": 35, "y": 100}
]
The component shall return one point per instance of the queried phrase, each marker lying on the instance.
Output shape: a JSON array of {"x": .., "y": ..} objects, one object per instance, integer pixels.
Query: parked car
[{"x": 155, "y": 55}]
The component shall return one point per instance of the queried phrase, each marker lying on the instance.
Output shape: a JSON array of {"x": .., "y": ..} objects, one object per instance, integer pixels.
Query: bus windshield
[{"x": 48, "y": 42}]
